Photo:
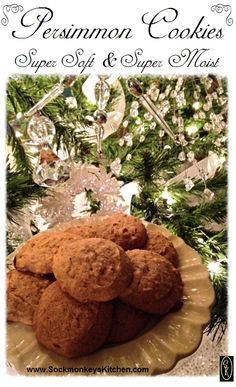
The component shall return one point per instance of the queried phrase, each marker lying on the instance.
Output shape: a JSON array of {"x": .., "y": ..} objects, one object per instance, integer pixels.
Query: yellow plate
[{"x": 159, "y": 348}]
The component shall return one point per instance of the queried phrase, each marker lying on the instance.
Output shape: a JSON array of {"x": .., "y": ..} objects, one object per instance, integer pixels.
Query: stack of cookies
[{"x": 93, "y": 284}]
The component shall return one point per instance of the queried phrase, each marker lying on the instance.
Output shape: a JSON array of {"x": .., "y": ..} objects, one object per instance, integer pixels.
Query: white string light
[
  {"x": 196, "y": 105},
  {"x": 191, "y": 129},
  {"x": 214, "y": 267},
  {"x": 166, "y": 195}
]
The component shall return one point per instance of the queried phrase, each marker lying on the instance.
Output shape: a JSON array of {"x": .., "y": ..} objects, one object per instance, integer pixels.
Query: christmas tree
[{"x": 152, "y": 146}]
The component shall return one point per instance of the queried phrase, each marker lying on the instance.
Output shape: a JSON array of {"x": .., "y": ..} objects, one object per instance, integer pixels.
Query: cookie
[
  {"x": 124, "y": 230},
  {"x": 127, "y": 322},
  {"x": 23, "y": 293},
  {"x": 68, "y": 327},
  {"x": 161, "y": 245},
  {"x": 82, "y": 231},
  {"x": 37, "y": 254},
  {"x": 154, "y": 279},
  {"x": 92, "y": 269},
  {"x": 172, "y": 300}
]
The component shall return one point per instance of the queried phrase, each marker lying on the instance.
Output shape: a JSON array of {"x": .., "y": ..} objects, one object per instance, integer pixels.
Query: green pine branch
[{"x": 21, "y": 191}]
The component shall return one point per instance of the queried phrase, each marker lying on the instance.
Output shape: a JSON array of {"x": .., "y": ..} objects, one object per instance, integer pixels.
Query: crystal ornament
[
  {"x": 62, "y": 205},
  {"x": 174, "y": 120},
  {"x": 102, "y": 92},
  {"x": 208, "y": 194},
  {"x": 207, "y": 126},
  {"x": 116, "y": 166},
  {"x": 173, "y": 94},
  {"x": 100, "y": 117},
  {"x": 102, "y": 95},
  {"x": 134, "y": 87},
  {"x": 121, "y": 141},
  {"x": 223, "y": 100},
  {"x": 167, "y": 90},
  {"x": 180, "y": 122},
  {"x": 71, "y": 102},
  {"x": 190, "y": 156},
  {"x": 153, "y": 92},
  {"x": 180, "y": 99},
  {"x": 52, "y": 94},
  {"x": 135, "y": 105},
  {"x": 128, "y": 137},
  {"x": 165, "y": 106},
  {"x": 202, "y": 115},
  {"x": 161, "y": 97},
  {"x": 182, "y": 139},
  {"x": 148, "y": 116},
  {"x": 206, "y": 107},
  {"x": 50, "y": 169},
  {"x": 133, "y": 113},
  {"x": 182, "y": 156},
  {"x": 140, "y": 129},
  {"x": 41, "y": 130},
  {"x": 189, "y": 184},
  {"x": 19, "y": 116}
]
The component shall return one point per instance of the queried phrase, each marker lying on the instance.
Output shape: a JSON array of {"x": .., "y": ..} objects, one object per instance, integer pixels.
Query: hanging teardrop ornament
[
  {"x": 100, "y": 118},
  {"x": 50, "y": 169},
  {"x": 102, "y": 95},
  {"x": 135, "y": 89},
  {"x": 102, "y": 92}
]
